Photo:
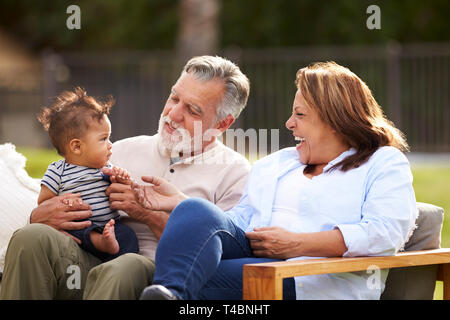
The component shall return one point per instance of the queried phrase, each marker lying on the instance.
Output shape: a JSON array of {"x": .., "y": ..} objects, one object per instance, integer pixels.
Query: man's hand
[
  {"x": 61, "y": 213},
  {"x": 122, "y": 198},
  {"x": 161, "y": 195}
]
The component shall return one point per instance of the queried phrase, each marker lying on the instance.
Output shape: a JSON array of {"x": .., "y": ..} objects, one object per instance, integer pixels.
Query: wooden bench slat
[
  {"x": 287, "y": 269},
  {"x": 264, "y": 280}
]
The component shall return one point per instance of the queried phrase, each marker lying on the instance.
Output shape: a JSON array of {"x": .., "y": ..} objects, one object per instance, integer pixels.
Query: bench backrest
[{"x": 414, "y": 283}]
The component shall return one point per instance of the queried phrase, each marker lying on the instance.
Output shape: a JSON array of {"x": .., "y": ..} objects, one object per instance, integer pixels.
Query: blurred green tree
[
  {"x": 105, "y": 24},
  {"x": 152, "y": 24},
  {"x": 255, "y": 23}
]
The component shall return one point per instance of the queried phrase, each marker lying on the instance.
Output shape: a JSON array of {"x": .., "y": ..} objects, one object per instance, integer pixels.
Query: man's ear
[
  {"x": 75, "y": 146},
  {"x": 224, "y": 124}
]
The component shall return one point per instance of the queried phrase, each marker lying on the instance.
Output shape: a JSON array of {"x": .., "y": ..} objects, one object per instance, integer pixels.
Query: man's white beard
[{"x": 180, "y": 141}]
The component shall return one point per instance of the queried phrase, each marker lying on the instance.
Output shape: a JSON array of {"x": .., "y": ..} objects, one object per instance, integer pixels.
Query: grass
[
  {"x": 431, "y": 184},
  {"x": 38, "y": 160}
]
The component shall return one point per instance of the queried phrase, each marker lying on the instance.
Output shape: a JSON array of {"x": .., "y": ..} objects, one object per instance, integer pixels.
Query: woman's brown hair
[{"x": 346, "y": 103}]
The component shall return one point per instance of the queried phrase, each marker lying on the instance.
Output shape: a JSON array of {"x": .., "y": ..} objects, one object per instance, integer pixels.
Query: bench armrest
[{"x": 264, "y": 281}]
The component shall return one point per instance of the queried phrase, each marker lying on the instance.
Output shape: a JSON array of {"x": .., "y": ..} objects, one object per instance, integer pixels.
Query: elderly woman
[{"x": 344, "y": 190}]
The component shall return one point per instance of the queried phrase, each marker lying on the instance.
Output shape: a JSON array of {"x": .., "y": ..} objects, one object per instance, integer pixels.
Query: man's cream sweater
[{"x": 219, "y": 175}]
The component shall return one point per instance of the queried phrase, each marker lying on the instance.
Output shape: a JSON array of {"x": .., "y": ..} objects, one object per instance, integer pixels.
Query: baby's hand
[
  {"x": 121, "y": 175},
  {"x": 118, "y": 175}
]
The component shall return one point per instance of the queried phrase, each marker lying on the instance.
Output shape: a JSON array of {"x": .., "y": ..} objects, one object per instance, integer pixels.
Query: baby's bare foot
[{"x": 109, "y": 241}]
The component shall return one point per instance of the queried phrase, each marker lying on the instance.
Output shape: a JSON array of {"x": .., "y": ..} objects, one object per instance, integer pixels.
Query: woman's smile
[{"x": 300, "y": 143}]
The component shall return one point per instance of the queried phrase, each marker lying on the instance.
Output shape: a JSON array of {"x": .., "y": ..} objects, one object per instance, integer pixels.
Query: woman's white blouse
[
  {"x": 373, "y": 206},
  {"x": 286, "y": 203}
]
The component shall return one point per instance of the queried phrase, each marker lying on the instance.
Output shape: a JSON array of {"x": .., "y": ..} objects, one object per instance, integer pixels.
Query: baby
[{"x": 79, "y": 129}]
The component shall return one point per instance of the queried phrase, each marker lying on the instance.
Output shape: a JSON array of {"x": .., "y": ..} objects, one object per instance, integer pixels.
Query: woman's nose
[{"x": 290, "y": 123}]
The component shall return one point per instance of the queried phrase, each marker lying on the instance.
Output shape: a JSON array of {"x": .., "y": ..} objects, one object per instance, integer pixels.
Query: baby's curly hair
[{"x": 70, "y": 116}]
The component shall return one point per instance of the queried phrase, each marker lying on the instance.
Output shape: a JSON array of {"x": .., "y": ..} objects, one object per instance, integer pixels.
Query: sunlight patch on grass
[{"x": 38, "y": 160}]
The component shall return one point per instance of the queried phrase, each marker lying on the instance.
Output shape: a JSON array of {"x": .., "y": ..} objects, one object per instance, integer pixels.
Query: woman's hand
[
  {"x": 274, "y": 242},
  {"x": 278, "y": 243},
  {"x": 161, "y": 196}
]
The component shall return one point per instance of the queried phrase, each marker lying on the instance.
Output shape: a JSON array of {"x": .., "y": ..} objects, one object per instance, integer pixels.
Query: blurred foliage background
[{"x": 144, "y": 24}]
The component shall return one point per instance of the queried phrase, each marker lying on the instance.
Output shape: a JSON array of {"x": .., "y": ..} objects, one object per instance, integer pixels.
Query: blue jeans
[{"x": 201, "y": 254}]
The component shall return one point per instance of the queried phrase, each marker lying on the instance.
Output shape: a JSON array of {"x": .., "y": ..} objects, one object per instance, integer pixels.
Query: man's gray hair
[{"x": 237, "y": 85}]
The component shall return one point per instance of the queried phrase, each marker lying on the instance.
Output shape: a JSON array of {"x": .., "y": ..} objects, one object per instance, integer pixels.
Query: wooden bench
[{"x": 264, "y": 281}]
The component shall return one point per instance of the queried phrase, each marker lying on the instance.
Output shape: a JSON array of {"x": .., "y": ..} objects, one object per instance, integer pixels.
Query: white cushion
[{"x": 18, "y": 195}]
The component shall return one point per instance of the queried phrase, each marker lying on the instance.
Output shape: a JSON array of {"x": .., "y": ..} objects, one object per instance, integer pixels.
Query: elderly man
[{"x": 43, "y": 263}]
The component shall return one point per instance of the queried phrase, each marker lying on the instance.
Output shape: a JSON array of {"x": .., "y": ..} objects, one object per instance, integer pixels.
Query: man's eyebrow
[{"x": 193, "y": 106}]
